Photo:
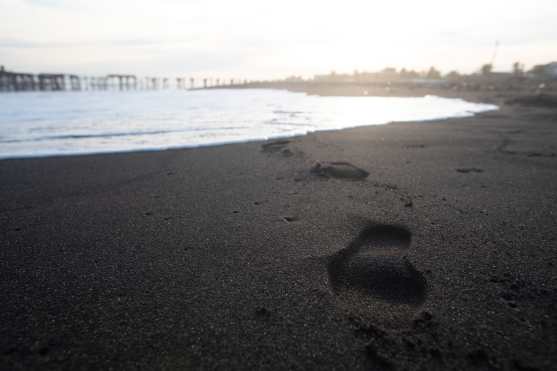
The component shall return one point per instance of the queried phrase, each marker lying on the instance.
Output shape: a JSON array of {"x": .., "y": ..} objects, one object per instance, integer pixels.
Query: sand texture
[{"x": 405, "y": 246}]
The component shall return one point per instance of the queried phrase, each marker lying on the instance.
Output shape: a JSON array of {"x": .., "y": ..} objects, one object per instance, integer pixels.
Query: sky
[{"x": 258, "y": 39}]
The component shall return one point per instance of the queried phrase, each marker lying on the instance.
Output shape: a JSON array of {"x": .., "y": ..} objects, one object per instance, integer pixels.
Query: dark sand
[{"x": 404, "y": 246}]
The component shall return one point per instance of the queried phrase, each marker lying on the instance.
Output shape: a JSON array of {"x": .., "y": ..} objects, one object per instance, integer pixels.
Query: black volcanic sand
[{"x": 405, "y": 246}]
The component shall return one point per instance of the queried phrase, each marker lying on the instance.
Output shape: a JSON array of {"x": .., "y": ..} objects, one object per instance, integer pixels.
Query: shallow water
[{"x": 45, "y": 124}]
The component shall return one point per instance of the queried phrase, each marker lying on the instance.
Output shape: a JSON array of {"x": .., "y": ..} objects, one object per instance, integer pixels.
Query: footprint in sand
[
  {"x": 372, "y": 276},
  {"x": 466, "y": 170},
  {"x": 339, "y": 170},
  {"x": 416, "y": 146}
]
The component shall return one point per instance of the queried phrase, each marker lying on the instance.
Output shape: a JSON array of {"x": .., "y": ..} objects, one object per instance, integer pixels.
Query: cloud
[
  {"x": 16, "y": 44},
  {"x": 26, "y": 44}
]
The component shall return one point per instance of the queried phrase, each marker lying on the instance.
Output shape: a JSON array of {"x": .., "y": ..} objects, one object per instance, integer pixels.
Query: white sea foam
[{"x": 46, "y": 124}]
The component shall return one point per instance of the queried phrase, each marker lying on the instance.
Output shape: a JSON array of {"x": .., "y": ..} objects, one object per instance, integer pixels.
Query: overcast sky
[{"x": 268, "y": 39}]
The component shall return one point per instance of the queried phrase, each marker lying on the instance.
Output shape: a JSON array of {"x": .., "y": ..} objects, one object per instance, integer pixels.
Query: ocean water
[{"x": 48, "y": 124}]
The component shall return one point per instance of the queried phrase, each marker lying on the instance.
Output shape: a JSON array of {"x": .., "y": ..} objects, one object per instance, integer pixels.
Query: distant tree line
[{"x": 392, "y": 74}]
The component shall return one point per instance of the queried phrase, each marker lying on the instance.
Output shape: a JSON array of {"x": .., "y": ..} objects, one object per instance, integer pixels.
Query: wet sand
[{"x": 404, "y": 246}]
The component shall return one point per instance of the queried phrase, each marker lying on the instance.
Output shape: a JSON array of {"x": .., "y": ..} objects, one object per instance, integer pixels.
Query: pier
[{"x": 11, "y": 81}]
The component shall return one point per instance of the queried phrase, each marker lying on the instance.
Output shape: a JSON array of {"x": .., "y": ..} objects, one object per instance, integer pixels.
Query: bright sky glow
[{"x": 263, "y": 39}]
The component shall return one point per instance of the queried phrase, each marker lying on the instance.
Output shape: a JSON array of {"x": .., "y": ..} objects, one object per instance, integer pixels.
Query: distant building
[
  {"x": 545, "y": 71},
  {"x": 551, "y": 69}
]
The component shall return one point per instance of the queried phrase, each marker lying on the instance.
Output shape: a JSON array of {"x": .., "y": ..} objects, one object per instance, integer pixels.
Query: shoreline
[
  {"x": 260, "y": 254},
  {"x": 100, "y": 151}
]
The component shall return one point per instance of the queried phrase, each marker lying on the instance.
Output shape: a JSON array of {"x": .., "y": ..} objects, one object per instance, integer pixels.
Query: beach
[{"x": 402, "y": 246}]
